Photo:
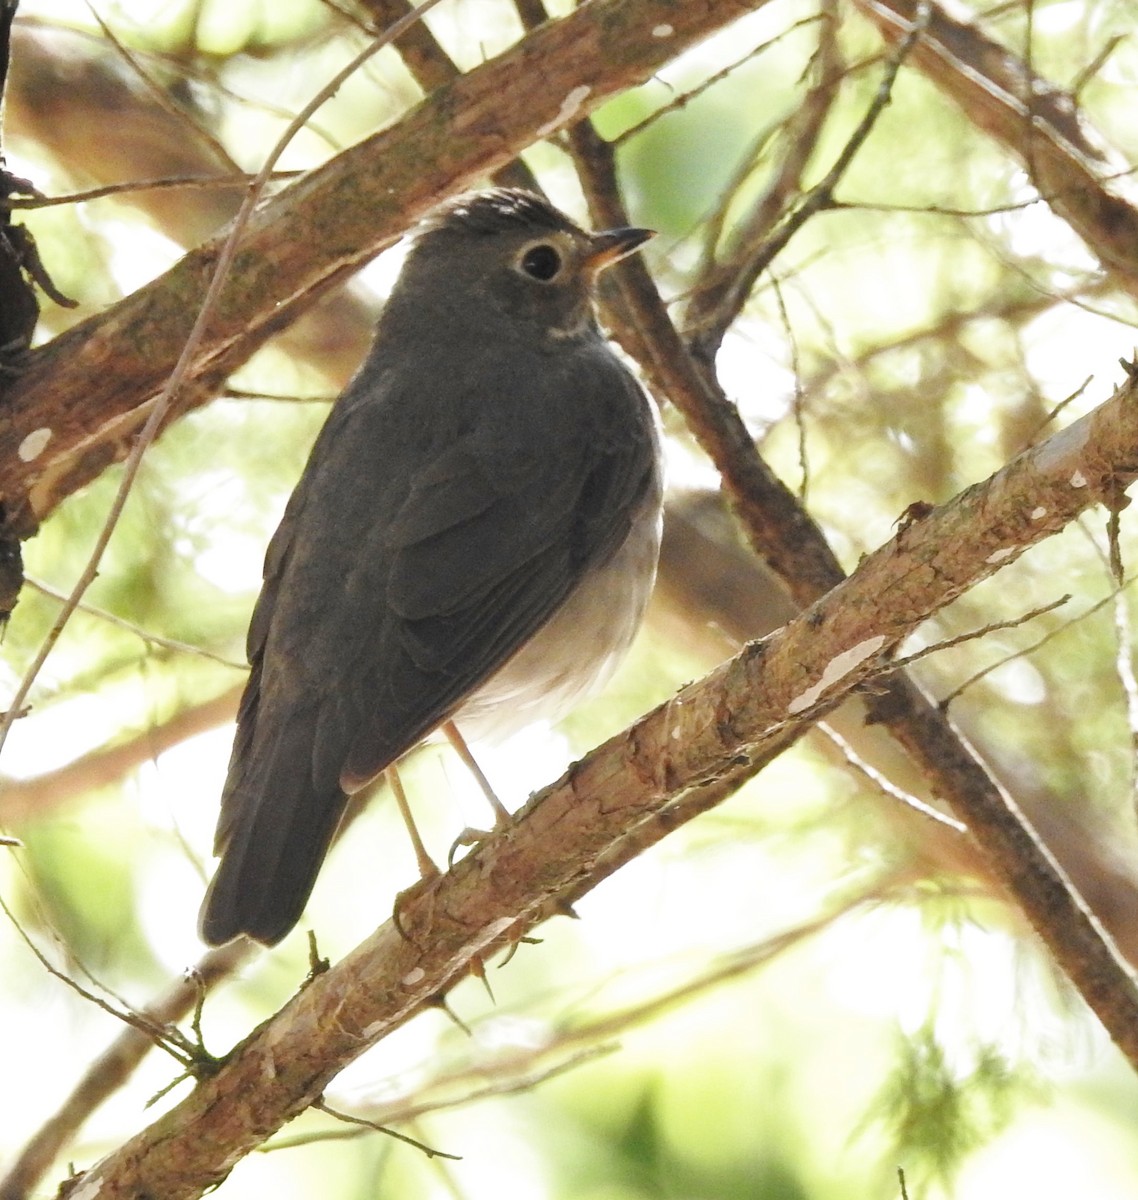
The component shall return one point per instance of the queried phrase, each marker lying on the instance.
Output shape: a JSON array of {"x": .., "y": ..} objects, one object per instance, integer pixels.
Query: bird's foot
[
  {"x": 421, "y": 884},
  {"x": 470, "y": 836}
]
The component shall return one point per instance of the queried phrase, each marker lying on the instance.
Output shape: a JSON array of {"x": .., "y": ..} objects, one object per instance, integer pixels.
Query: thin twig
[
  {"x": 165, "y": 1037},
  {"x": 724, "y": 284},
  {"x": 110, "y": 1070},
  {"x": 165, "y": 183},
  {"x": 798, "y": 409},
  {"x": 235, "y": 393},
  {"x": 884, "y": 785},
  {"x": 1037, "y": 432},
  {"x": 1027, "y": 651},
  {"x": 151, "y": 639},
  {"x": 1124, "y": 669},
  {"x": 705, "y": 336},
  {"x": 684, "y": 98},
  {"x": 1124, "y": 638},
  {"x": 1087, "y": 73},
  {"x": 993, "y": 210},
  {"x": 161, "y": 96},
  {"x": 974, "y": 634},
  {"x": 373, "y": 1127}
]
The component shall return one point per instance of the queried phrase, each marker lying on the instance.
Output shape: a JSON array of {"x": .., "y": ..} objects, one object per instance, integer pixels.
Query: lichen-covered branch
[{"x": 746, "y": 711}]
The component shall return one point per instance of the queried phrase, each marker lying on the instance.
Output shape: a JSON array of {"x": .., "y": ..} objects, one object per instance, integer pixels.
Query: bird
[{"x": 472, "y": 542}]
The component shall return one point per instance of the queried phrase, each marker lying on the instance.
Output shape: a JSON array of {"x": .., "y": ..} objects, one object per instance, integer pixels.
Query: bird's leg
[
  {"x": 427, "y": 868},
  {"x": 501, "y": 813}
]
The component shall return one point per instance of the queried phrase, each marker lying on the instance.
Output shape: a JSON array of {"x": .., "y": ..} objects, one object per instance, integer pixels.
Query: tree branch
[
  {"x": 83, "y": 396},
  {"x": 747, "y": 711},
  {"x": 111, "y": 1069},
  {"x": 1032, "y": 119},
  {"x": 21, "y": 799},
  {"x": 784, "y": 535}
]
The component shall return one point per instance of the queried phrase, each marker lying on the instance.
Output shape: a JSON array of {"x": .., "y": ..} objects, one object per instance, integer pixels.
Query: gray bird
[{"x": 474, "y": 539}]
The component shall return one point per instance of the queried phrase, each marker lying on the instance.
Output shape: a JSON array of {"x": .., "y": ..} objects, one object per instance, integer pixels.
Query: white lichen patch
[
  {"x": 662, "y": 31},
  {"x": 498, "y": 927},
  {"x": 837, "y": 668},
  {"x": 1062, "y": 448},
  {"x": 1078, "y": 480},
  {"x": 34, "y": 445},
  {"x": 89, "y": 1187},
  {"x": 1037, "y": 514},
  {"x": 568, "y": 110},
  {"x": 414, "y": 976},
  {"x": 998, "y": 556}
]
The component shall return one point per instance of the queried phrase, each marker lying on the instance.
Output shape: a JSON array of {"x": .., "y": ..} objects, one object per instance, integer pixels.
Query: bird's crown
[{"x": 498, "y": 210}]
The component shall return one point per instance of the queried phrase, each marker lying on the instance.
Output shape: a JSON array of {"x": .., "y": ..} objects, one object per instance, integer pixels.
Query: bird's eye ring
[{"x": 541, "y": 262}]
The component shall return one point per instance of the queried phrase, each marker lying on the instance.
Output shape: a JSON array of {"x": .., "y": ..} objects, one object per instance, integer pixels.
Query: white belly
[{"x": 578, "y": 650}]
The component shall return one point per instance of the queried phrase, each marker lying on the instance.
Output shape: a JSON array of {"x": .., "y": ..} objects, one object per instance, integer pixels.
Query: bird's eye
[{"x": 541, "y": 262}]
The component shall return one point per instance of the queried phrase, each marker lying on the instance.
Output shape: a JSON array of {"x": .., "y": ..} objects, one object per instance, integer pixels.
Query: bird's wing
[{"x": 492, "y": 537}]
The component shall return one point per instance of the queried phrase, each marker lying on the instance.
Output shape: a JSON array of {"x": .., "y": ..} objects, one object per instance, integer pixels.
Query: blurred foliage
[
  {"x": 939, "y": 1114},
  {"x": 906, "y": 344}
]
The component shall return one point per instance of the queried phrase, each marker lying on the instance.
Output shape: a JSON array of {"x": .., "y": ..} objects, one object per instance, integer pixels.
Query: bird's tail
[{"x": 270, "y": 858}]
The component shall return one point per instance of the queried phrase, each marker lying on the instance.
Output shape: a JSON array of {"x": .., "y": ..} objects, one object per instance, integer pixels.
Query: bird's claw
[
  {"x": 470, "y": 836},
  {"x": 407, "y": 894}
]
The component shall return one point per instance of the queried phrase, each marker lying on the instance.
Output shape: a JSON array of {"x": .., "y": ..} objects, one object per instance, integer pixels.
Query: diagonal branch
[
  {"x": 748, "y": 710},
  {"x": 432, "y": 67},
  {"x": 82, "y": 397},
  {"x": 782, "y": 532},
  {"x": 724, "y": 285},
  {"x": 21, "y": 799},
  {"x": 111, "y": 1069},
  {"x": 1032, "y": 119}
]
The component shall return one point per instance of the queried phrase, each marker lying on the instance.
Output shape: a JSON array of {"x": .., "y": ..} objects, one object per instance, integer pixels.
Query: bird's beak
[{"x": 612, "y": 245}]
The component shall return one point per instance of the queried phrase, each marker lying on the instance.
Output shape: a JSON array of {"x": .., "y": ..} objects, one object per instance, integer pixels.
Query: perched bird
[{"x": 473, "y": 540}]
